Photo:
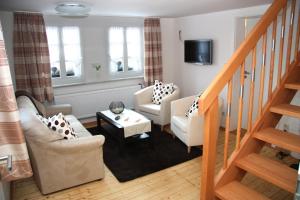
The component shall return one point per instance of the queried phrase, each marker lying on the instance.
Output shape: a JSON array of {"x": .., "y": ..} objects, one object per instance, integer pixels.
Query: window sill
[{"x": 96, "y": 82}]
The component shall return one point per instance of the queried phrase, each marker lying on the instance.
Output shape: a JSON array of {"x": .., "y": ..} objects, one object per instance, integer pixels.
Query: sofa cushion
[
  {"x": 61, "y": 126},
  {"x": 160, "y": 91},
  {"x": 150, "y": 108},
  {"x": 180, "y": 122}
]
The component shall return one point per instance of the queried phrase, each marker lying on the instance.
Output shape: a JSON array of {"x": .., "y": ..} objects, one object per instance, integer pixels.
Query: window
[
  {"x": 65, "y": 54},
  {"x": 125, "y": 50}
]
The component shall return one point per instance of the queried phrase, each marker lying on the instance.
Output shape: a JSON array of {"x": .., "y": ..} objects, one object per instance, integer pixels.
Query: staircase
[{"x": 262, "y": 130}]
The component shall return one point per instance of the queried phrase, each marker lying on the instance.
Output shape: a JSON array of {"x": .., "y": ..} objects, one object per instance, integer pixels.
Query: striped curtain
[
  {"x": 31, "y": 56},
  {"x": 12, "y": 140},
  {"x": 153, "y": 57}
]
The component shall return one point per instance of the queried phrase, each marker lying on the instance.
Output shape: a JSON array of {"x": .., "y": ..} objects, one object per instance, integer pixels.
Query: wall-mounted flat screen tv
[{"x": 198, "y": 51}]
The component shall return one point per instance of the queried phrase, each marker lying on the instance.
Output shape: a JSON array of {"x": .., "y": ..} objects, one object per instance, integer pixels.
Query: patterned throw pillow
[
  {"x": 160, "y": 91},
  {"x": 43, "y": 119},
  {"x": 194, "y": 107},
  {"x": 61, "y": 126}
]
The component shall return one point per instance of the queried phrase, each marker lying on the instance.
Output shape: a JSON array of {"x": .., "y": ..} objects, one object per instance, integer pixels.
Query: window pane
[
  {"x": 72, "y": 51},
  {"x": 116, "y": 49},
  {"x": 52, "y": 35},
  {"x": 54, "y": 51},
  {"x": 73, "y": 68},
  {"x": 71, "y": 35},
  {"x": 133, "y": 38}
]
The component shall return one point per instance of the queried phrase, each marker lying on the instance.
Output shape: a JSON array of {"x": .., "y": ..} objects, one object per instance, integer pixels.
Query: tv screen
[{"x": 198, "y": 51}]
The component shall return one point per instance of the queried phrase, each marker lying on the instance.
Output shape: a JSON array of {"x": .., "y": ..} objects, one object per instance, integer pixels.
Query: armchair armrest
[
  {"x": 181, "y": 106},
  {"x": 143, "y": 96},
  {"x": 65, "y": 109},
  {"x": 165, "y": 107},
  {"x": 83, "y": 144},
  {"x": 166, "y": 101}
]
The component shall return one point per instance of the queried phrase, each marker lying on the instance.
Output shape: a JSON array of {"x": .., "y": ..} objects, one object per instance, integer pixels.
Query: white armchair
[
  {"x": 159, "y": 114},
  {"x": 188, "y": 129}
]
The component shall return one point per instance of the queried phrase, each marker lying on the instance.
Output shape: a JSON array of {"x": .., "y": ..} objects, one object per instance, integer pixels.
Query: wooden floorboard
[{"x": 176, "y": 183}]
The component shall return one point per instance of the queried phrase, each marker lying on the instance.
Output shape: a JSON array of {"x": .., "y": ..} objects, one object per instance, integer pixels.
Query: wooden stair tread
[
  {"x": 237, "y": 191},
  {"x": 286, "y": 109},
  {"x": 270, "y": 170},
  {"x": 292, "y": 86},
  {"x": 280, "y": 138}
]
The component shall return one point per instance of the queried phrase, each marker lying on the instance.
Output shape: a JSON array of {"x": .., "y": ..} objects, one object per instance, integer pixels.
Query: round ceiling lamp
[{"x": 73, "y": 9}]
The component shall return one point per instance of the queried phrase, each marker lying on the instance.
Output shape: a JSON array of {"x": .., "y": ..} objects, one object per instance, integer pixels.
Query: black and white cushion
[
  {"x": 194, "y": 107},
  {"x": 160, "y": 91},
  {"x": 61, "y": 126},
  {"x": 43, "y": 119}
]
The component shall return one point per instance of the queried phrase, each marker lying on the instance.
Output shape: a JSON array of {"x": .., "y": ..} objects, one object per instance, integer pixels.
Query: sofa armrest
[
  {"x": 82, "y": 144},
  {"x": 143, "y": 96},
  {"x": 181, "y": 106},
  {"x": 65, "y": 109}
]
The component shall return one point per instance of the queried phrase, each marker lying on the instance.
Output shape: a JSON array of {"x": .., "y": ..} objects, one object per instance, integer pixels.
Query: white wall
[
  {"x": 94, "y": 37},
  {"x": 170, "y": 51},
  {"x": 94, "y": 42},
  {"x": 218, "y": 26}
]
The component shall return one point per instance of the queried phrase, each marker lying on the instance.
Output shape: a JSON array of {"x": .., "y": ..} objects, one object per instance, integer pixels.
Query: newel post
[{"x": 211, "y": 130}]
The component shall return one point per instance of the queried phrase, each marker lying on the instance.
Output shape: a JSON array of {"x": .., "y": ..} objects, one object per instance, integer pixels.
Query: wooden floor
[{"x": 179, "y": 182}]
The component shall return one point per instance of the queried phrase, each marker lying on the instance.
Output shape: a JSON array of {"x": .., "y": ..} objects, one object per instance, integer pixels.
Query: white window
[
  {"x": 65, "y": 54},
  {"x": 125, "y": 50}
]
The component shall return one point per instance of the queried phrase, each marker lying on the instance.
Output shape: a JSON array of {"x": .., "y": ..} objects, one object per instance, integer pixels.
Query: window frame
[
  {"x": 126, "y": 73},
  {"x": 64, "y": 79}
]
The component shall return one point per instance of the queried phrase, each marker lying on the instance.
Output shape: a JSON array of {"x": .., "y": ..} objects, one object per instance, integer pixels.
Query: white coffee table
[{"x": 130, "y": 124}]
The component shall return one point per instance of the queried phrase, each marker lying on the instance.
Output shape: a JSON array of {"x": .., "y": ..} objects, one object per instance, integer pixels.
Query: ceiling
[{"x": 142, "y": 8}]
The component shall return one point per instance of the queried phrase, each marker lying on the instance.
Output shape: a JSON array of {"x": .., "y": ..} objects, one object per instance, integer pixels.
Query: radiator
[{"x": 85, "y": 104}]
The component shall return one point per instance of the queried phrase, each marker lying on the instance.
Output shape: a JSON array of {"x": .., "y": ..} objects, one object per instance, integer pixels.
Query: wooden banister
[
  {"x": 262, "y": 75},
  {"x": 241, "y": 103},
  {"x": 229, "y": 100},
  {"x": 208, "y": 102},
  {"x": 210, "y": 151},
  {"x": 297, "y": 37},
  {"x": 252, "y": 86},
  {"x": 290, "y": 36},
  {"x": 281, "y": 47},
  {"x": 270, "y": 85},
  {"x": 211, "y": 93}
]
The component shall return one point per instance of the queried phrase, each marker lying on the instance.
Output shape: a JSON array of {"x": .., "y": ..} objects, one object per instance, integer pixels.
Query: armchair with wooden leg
[
  {"x": 188, "y": 129},
  {"x": 159, "y": 114}
]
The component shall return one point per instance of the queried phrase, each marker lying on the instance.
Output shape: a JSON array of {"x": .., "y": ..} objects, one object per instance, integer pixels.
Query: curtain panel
[
  {"x": 152, "y": 48},
  {"x": 12, "y": 140},
  {"x": 31, "y": 56}
]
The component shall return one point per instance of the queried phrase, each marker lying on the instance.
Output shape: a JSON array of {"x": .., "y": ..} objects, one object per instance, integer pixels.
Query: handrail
[
  {"x": 208, "y": 102},
  {"x": 212, "y": 92}
]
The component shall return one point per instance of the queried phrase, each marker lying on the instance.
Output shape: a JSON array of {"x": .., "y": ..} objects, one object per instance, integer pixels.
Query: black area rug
[{"x": 141, "y": 157}]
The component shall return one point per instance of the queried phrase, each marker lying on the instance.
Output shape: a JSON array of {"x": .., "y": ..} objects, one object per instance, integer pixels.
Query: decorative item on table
[{"x": 116, "y": 107}]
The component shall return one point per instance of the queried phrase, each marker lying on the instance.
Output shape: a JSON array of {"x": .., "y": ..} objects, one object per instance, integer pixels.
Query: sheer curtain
[
  {"x": 153, "y": 48},
  {"x": 31, "y": 56},
  {"x": 12, "y": 140}
]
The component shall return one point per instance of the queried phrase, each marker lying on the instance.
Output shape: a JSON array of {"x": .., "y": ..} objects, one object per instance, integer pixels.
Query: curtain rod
[{"x": 23, "y": 11}]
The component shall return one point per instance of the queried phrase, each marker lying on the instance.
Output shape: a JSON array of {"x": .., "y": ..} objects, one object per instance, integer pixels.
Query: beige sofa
[
  {"x": 57, "y": 163},
  {"x": 159, "y": 114}
]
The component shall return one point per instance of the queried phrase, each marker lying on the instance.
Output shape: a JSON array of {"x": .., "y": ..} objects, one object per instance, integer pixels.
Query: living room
[{"x": 99, "y": 79}]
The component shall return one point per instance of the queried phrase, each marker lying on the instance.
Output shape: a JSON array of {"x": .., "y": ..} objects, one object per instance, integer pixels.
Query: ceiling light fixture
[{"x": 73, "y": 9}]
